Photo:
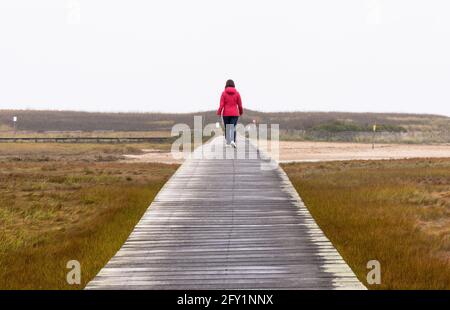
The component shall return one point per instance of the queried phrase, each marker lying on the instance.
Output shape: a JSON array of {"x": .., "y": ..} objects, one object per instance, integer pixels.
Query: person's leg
[
  {"x": 224, "y": 124},
  {"x": 234, "y": 121},
  {"x": 227, "y": 124}
]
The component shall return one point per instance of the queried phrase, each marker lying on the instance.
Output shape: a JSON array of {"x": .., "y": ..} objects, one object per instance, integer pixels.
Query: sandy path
[{"x": 299, "y": 151}]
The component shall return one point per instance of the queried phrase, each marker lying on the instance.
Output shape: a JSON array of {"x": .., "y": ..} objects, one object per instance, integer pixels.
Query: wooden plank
[{"x": 227, "y": 224}]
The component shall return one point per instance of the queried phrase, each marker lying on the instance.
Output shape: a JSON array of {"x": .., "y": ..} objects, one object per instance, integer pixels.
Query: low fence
[{"x": 87, "y": 139}]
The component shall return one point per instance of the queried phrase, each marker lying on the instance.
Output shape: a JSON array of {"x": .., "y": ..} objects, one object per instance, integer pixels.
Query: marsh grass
[
  {"x": 53, "y": 212},
  {"x": 397, "y": 212},
  {"x": 86, "y": 152}
]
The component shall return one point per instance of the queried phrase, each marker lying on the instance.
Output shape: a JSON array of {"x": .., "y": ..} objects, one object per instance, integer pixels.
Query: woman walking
[{"x": 230, "y": 109}]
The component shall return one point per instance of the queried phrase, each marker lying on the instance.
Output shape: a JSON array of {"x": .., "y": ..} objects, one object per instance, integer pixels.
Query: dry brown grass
[
  {"x": 397, "y": 212},
  {"x": 54, "y": 211},
  {"x": 85, "y": 152}
]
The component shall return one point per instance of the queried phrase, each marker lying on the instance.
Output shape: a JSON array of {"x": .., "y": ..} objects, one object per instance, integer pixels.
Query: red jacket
[{"x": 230, "y": 103}]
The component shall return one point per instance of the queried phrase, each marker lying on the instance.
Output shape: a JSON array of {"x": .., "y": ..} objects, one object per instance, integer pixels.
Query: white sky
[{"x": 175, "y": 55}]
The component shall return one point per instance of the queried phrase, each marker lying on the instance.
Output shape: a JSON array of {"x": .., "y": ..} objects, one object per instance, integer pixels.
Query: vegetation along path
[{"x": 227, "y": 224}]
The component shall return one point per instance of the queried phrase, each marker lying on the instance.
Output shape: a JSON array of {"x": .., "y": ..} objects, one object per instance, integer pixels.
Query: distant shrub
[
  {"x": 338, "y": 126},
  {"x": 341, "y": 126},
  {"x": 391, "y": 128}
]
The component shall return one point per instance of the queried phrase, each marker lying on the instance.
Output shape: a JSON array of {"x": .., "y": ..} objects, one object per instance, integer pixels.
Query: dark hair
[{"x": 230, "y": 83}]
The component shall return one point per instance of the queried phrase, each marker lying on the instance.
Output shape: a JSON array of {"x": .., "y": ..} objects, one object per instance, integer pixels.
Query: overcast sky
[{"x": 175, "y": 55}]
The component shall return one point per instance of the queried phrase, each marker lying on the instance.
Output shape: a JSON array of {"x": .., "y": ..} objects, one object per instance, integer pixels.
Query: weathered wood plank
[{"x": 227, "y": 224}]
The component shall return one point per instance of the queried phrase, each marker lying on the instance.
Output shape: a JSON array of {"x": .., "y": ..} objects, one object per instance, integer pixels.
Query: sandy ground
[
  {"x": 325, "y": 151},
  {"x": 330, "y": 151},
  {"x": 153, "y": 156}
]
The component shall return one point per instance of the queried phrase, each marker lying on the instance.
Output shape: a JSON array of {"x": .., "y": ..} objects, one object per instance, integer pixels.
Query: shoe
[{"x": 233, "y": 144}]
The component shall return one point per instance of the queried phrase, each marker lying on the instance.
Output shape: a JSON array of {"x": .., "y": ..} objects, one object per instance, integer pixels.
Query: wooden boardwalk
[{"x": 227, "y": 224}]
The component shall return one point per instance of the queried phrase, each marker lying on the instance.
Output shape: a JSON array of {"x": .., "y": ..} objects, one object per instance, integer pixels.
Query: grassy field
[
  {"x": 85, "y": 152},
  {"x": 397, "y": 212},
  {"x": 60, "y": 202},
  {"x": 63, "y": 202}
]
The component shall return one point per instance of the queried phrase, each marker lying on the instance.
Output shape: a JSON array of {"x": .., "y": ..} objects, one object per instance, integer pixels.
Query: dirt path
[{"x": 299, "y": 151}]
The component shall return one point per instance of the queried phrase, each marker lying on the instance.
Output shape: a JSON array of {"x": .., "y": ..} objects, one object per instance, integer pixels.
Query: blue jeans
[{"x": 230, "y": 123}]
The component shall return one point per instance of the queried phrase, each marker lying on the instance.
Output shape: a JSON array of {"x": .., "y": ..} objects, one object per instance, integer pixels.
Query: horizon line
[{"x": 212, "y": 110}]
